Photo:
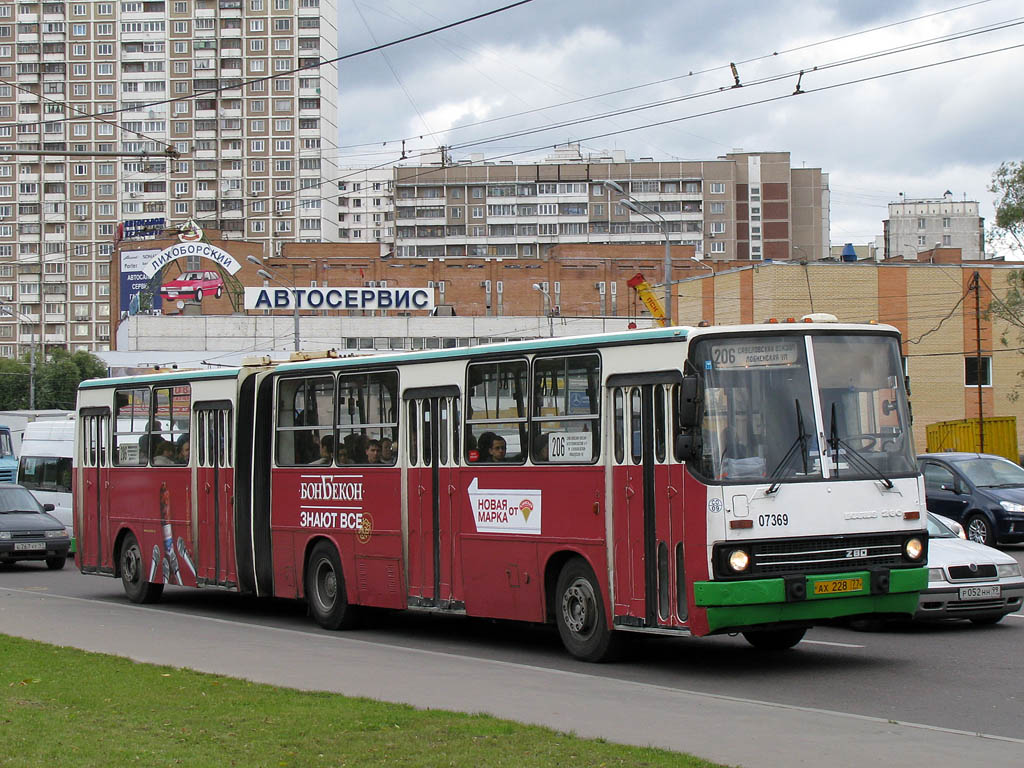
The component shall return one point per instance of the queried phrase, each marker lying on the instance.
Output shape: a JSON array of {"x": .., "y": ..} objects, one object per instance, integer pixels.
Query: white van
[{"x": 45, "y": 466}]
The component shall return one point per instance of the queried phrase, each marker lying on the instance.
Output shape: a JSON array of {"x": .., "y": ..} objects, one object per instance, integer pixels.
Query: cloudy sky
[{"x": 550, "y": 62}]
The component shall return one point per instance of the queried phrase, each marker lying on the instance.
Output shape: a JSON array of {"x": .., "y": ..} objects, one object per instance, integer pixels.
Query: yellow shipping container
[{"x": 963, "y": 435}]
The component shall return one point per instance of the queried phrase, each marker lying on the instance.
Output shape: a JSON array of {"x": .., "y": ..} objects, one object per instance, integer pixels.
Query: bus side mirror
[
  {"x": 685, "y": 447},
  {"x": 688, "y": 402},
  {"x": 48, "y": 507}
]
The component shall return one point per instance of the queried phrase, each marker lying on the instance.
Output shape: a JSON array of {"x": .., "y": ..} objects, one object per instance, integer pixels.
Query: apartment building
[
  {"x": 366, "y": 208},
  {"x": 739, "y": 206},
  {"x": 92, "y": 79},
  {"x": 920, "y": 224}
]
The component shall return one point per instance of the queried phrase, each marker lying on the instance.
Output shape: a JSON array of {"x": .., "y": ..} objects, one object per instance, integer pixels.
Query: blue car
[{"x": 982, "y": 492}]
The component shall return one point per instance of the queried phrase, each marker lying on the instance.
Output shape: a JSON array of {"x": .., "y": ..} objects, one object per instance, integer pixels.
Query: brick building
[{"x": 931, "y": 302}]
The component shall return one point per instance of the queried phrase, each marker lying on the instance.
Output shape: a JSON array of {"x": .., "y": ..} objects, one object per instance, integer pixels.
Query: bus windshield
[{"x": 762, "y": 423}]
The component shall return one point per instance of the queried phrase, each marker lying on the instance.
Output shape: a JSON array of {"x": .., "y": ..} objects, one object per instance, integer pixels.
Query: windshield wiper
[
  {"x": 854, "y": 457},
  {"x": 800, "y": 443}
]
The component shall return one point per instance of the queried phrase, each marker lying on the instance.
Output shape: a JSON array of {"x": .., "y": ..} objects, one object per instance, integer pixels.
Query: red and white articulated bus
[{"x": 689, "y": 481}]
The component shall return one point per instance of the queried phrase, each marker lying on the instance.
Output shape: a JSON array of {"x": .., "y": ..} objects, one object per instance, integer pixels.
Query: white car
[{"x": 967, "y": 580}]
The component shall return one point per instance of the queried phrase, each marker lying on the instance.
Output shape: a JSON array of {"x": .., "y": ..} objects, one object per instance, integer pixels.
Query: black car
[
  {"x": 982, "y": 492},
  {"x": 27, "y": 532}
]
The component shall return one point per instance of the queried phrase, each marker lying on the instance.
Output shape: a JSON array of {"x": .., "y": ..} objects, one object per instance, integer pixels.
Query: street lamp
[
  {"x": 547, "y": 301},
  {"x": 636, "y": 205},
  {"x": 295, "y": 296},
  {"x": 695, "y": 260},
  {"x": 5, "y": 310}
]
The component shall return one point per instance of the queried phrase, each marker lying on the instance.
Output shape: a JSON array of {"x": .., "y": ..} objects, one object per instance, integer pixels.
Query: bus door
[
  {"x": 434, "y": 416},
  {"x": 644, "y": 496},
  {"x": 215, "y": 544},
  {"x": 92, "y": 508}
]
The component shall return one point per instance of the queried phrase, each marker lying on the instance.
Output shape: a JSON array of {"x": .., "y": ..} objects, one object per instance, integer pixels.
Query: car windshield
[
  {"x": 18, "y": 500},
  {"x": 939, "y": 530},
  {"x": 989, "y": 472}
]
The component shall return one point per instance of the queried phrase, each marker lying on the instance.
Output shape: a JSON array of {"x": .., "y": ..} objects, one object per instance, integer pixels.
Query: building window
[
  {"x": 947, "y": 241},
  {"x": 717, "y": 247},
  {"x": 717, "y": 188},
  {"x": 921, "y": 223},
  {"x": 971, "y": 371}
]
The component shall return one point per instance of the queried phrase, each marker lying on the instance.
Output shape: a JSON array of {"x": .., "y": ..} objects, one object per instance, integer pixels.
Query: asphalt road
[{"x": 948, "y": 695}]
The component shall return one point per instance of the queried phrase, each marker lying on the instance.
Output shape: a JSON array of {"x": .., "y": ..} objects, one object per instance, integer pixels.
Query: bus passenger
[
  {"x": 387, "y": 451},
  {"x": 183, "y": 453},
  {"x": 497, "y": 450},
  {"x": 483, "y": 445},
  {"x": 326, "y": 450},
  {"x": 373, "y": 452},
  {"x": 540, "y": 448},
  {"x": 165, "y": 454}
]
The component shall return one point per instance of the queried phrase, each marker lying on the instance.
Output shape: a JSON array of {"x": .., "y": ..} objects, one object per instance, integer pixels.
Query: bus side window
[
  {"x": 620, "y": 426},
  {"x": 659, "y": 423},
  {"x": 635, "y": 437},
  {"x": 413, "y": 423},
  {"x": 132, "y": 427}
]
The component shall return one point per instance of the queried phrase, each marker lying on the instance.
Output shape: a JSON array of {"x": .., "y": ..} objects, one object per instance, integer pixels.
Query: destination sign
[{"x": 755, "y": 354}]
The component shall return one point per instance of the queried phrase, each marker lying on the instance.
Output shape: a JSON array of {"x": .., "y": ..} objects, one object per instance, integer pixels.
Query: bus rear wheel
[
  {"x": 774, "y": 639},
  {"x": 580, "y": 614},
  {"x": 325, "y": 589},
  {"x": 133, "y": 573}
]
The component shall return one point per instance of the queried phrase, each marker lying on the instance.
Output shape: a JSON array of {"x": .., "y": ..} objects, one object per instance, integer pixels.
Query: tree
[
  {"x": 13, "y": 385},
  {"x": 57, "y": 379},
  {"x": 1008, "y": 185}
]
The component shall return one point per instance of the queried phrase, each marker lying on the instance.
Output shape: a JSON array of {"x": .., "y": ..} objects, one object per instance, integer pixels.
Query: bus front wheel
[
  {"x": 133, "y": 573},
  {"x": 774, "y": 639},
  {"x": 325, "y": 589},
  {"x": 580, "y": 614}
]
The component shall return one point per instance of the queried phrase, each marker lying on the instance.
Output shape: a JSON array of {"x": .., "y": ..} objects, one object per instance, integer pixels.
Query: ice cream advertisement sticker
[{"x": 502, "y": 510}]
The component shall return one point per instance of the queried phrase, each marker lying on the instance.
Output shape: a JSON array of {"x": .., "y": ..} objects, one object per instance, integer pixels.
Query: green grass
[{"x": 60, "y": 706}]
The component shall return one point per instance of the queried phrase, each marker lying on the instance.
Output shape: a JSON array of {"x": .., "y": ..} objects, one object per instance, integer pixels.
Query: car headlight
[
  {"x": 913, "y": 548},
  {"x": 1008, "y": 570},
  {"x": 936, "y": 574},
  {"x": 739, "y": 560},
  {"x": 59, "y": 533},
  {"x": 1011, "y": 506},
  {"x": 5, "y": 535}
]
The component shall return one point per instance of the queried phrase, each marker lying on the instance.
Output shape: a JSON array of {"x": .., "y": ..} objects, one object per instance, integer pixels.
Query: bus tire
[
  {"x": 580, "y": 615},
  {"x": 774, "y": 639},
  {"x": 133, "y": 573},
  {"x": 325, "y": 589},
  {"x": 56, "y": 563}
]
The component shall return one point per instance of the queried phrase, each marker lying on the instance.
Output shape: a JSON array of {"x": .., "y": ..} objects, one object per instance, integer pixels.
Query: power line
[{"x": 692, "y": 73}]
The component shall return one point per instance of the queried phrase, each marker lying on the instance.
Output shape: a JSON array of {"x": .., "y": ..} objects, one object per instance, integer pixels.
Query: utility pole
[{"x": 976, "y": 279}]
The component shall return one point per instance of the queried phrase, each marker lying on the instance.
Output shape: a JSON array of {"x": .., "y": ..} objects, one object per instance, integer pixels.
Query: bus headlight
[
  {"x": 739, "y": 560},
  {"x": 913, "y": 548}
]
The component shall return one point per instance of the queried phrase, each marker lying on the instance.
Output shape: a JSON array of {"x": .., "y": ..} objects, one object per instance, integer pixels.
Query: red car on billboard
[{"x": 193, "y": 285}]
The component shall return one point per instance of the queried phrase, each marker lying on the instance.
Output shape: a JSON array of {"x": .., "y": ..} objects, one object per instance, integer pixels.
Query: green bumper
[{"x": 736, "y": 604}]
